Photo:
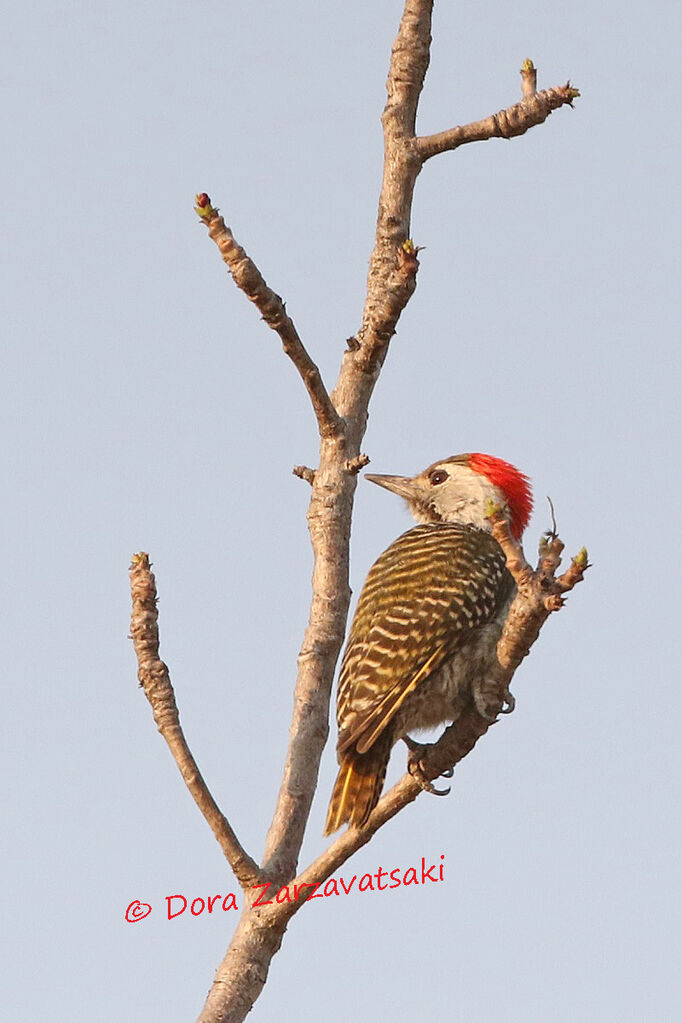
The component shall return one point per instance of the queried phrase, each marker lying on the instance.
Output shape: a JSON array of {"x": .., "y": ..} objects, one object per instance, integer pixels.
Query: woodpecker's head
[{"x": 459, "y": 489}]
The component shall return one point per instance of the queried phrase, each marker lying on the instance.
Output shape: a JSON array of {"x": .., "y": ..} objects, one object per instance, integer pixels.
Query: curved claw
[
  {"x": 424, "y": 784},
  {"x": 417, "y": 751},
  {"x": 481, "y": 703},
  {"x": 509, "y": 702}
]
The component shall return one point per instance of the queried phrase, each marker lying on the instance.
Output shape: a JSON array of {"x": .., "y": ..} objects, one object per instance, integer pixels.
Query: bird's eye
[{"x": 438, "y": 476}]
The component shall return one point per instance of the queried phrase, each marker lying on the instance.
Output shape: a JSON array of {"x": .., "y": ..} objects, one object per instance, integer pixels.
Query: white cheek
[{"x": 468, "y": 497}]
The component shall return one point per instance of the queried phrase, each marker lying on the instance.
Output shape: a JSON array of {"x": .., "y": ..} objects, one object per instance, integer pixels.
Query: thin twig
[
  {"x": 249, "y": 279},
  {"x": 533, "y": 109},
  {"x": 155, "y": 680},
  {"x": 539, "y": 593}
]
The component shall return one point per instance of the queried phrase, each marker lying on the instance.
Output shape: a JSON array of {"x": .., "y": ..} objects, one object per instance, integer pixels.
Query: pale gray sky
[{"x": 145, "y": 406}]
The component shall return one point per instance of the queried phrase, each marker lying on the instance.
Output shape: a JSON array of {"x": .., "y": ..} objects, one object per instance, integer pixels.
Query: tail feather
[{"x": 358, "y": 785}]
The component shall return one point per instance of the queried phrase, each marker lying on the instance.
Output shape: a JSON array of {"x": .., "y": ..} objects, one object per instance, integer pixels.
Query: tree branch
[
  {"x": 539, "y": 592},
  {"x": 393, "y": 265},
  {"x": 249, "y": 279},
  {"x": 533, "y": 109},
  {"x": 329, "y": 525},
  {"x": 155, "y": 680}
]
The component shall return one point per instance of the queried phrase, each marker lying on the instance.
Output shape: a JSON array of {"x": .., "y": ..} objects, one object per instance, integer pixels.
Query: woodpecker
[{"x": 423, "y": 641}]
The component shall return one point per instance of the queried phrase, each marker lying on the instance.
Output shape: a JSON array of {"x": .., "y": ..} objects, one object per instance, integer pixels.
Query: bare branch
[
  {"x": 539, "y": 593},
  {"x": 329, "y": 525},
  {"x": 574, "y": 574},
  {"x": 249, "y": 279},
  {"x": 392, "y": 275},
  {"x": 456, "y": 742},
  {"x": 155, "y": 680},
  {"x": 533, "y": 109}
]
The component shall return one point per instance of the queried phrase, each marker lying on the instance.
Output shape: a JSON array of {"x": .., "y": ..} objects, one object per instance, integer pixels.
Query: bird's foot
[
  {"x": 415, "y": 767},
  {"x": 483, "y": 703}
]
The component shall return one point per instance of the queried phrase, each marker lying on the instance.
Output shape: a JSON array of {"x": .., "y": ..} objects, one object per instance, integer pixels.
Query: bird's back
[{"x": 426, "y": 597}]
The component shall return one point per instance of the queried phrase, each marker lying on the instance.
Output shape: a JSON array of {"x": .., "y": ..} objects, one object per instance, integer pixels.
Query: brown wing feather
[
  {"x": 358, "y": 786},
  {"x": 391, "y": 703}
]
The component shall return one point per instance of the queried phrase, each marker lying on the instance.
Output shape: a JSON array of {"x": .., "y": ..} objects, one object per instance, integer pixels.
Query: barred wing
[{"x": 422, "y": 600}]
